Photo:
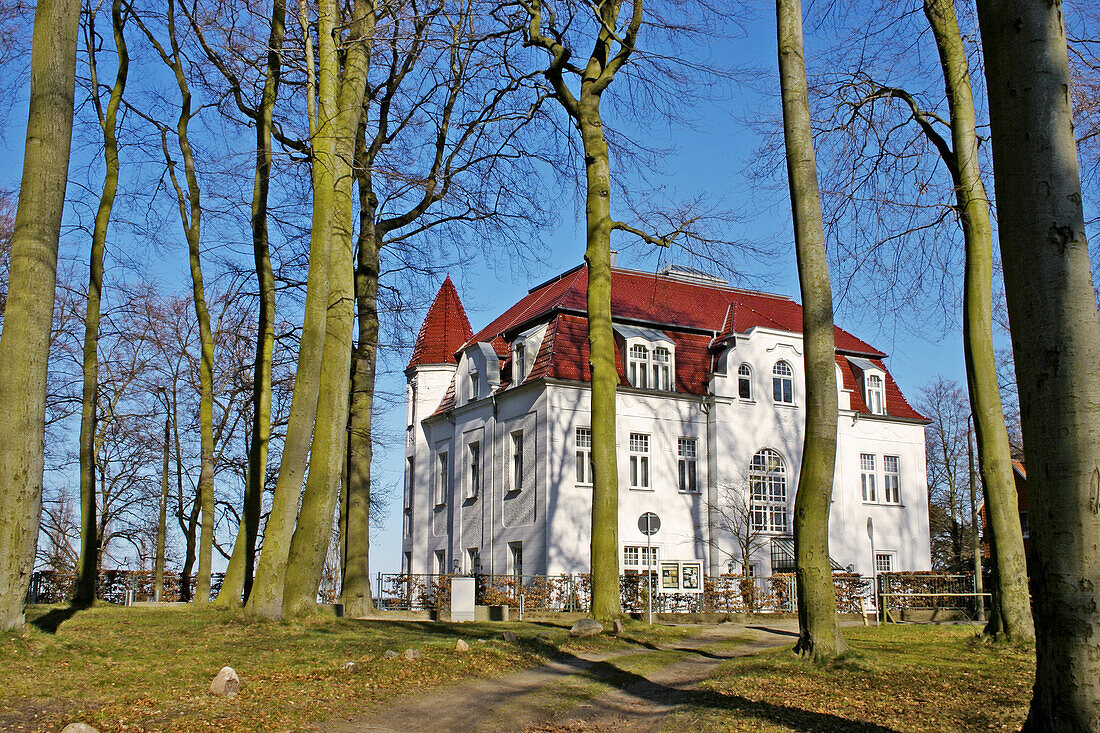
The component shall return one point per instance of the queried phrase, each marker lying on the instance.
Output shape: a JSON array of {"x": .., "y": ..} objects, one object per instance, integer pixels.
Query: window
[
  {"x": 441, "y": 562},
  {"x": 783, "y": 383},
  {"x": 884, "y": 562},
  {"x": 584, "y": 457},
  {"x": 867, "y": 476},
  {"x": 406, "y": 525},
  {"x": 515, "y": 559},
  {"x": 1024, "y": 525},
  {"x": 406, "y": 563},
  {"x": 517, "y": 461},
  {"x": 473, "y": 560},
  {"x": 768, "y": 492},
  {"x": 473, "y": 477},
  {"x": 662, "y": 363},
  {"x": 519, "y": 363},
  {"x": 639, "y": 366},
  {"x": 891, "y": 480},
  {"x": 474, "y": 383},
  {"x": 686, "y": 450},
  {"x": 874, "y": 393},
  {"x": 639, "y": 461},
  {"x": 744, "y": 382},
  {"x": 410, "y": 464},
  {"x": 639, "y": 557},
  {"x": 441, "y": 481}
]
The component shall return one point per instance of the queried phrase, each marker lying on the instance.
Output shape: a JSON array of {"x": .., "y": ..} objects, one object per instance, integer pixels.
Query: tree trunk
[
  {"x": 25, "y": 339},
  {"x": 601, "y": 345},
  {"x": 86, "y": 567},
  {"x": 238, "y": 577},
  {"x": 1056, "y": 344},
  {"x": 162, "y": 523},
  {"x": 188, "y": 524},
  {"x": 994, "y": 459},
  {"x": 355, "y": 592},
  {"x": 819, "y": 632}
]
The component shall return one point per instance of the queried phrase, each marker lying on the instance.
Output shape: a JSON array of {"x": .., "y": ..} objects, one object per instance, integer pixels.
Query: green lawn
[
  {"x": 898, "y": 678},
  {"x": 140, "y": 669}
]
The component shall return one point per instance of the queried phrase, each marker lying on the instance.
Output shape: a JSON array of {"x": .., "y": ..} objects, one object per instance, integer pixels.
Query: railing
[
  {"x": 722, "y": 594},
  {"x": 113, "y": 586},
  {"x": 928, "y": 591}
]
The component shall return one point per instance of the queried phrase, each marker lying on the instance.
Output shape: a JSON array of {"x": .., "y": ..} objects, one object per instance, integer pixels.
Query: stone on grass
[
  {"x": 351, "y": 667},
  {"x": 411, "y": 654},
  {"x": 79, "y": 728},
  {"x": 390, "y": 654},
  {"x": 461, "y": 646},
  {"x": 509, "y": 636},
  {"x": 584, "y": 627},
  {"x": 544, "y": 639},
  {"x": 617, "y": 627},
  {"x": 226, "y": 683}
]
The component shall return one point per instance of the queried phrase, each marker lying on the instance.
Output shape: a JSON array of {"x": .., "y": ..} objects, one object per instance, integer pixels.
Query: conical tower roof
[{"x": 445, "y": 329}]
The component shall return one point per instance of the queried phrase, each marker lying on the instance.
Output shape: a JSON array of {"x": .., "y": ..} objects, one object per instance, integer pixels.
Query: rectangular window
[
  {"x": 744, "y": 382},
  {"x": 519, "y": 363},
  {"x": 884, "y": 562},
  {"x": 874, "y": 393},
  {"x": 475, "y": 384},
  {"x": 630, "y": 557},
  {"x": 441, "y": 481},
  {"x": 891, "y": 479},
  {"x": 473, "y": 560},
  {"x": 639, "y": 366},
  {"x": 517, "y": 461},
  {"x": 867, "y": 476},
  {"x": 662, "y": 368},
  {"x": 410, "y": 465},
  {"x": 406, "y": 563},
  {"x": 584, "y": 456},
  {"x": 407, "y": 523},
  {"x": 686, "y": 449},
  {"x": 639, "y": 461},
  {"x": 639, "y": 557},
  {"x": 1024, "y": 526},
  {"x": 441, "y": 562},
  {"x": 515, "y": 559},
  {"x": 473, "y": 479}
]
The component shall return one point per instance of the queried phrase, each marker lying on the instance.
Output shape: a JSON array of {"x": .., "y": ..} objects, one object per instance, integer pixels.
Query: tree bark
[
  {"x": 1056, "y": 345},
  {"x": 162, "y": 519},
  {"x": 1012, "y": 604},
  {"x": 89, "y": 550},
  {"x": 819, "y": 631},
  {"x": 238, "y": 577},
  {"x": 25, "y": 339}
]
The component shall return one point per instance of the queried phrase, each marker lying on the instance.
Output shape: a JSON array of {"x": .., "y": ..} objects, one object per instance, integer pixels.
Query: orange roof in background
[{"x": 445, "y": 329}]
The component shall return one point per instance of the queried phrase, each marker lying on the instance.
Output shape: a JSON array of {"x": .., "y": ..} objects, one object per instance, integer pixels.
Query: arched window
[
  {"x": 783, "y": 383},
  {"x": 874, "y": 394},
  {"x": 639, "y": 366},
  {"x": 744, "y": 382},
  {"x": 768, "y": 492}
]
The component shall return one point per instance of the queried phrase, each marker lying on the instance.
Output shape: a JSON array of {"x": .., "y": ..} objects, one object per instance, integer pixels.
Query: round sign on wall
[{"x": 649, "y": 523}]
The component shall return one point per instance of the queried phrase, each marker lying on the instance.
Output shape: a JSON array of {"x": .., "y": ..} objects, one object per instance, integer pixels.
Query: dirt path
[{"x": 581, "y": 693}]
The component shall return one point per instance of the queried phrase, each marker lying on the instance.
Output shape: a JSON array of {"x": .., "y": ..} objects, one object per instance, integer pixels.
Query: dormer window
[
  {"x": 744, "y": 382},
  {"x": 661, "y": 368},
  {"x": 639, "y": 366},
  {"x": 783, "y": 383},
  {"x": 875, "y": 398},
  {"x": 474, "y": 387},
  {"x": 519, "y": 362}
]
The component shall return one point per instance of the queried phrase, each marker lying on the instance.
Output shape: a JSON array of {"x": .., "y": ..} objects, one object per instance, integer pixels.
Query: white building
[{"x": 710, "y": 402}]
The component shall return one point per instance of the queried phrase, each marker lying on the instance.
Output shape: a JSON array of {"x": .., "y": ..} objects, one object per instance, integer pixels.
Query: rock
[
  {"x": 509, "y": 636},
  {"x": 412, "y": 654},
  {"x": 390, "y": 654},
  {"x": 226, "y": 683},
  {"x": 79, "y": 728},
  {"x": 585, "y": 627},
  {"x": 350, "y": 667},
  {"x": 617, "y": 627},
  {"x": 544, "y": 639},
  {"x": 461, "y": 646}
]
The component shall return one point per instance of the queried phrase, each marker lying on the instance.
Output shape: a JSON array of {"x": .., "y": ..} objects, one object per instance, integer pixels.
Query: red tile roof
[
  {"x": 694, "y": 316},
  {"x": 444, "y": 331}
]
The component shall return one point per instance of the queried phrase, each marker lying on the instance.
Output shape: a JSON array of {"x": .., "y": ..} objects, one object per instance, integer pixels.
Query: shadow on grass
[
  {"x": 50, "y": 621},
  {"x": 708, "y": 701}
]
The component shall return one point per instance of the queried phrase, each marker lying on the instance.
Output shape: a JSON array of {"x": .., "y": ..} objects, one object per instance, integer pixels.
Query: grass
[
  {"x": 140, "y": 669},
  {"x": 897, "y": 678}
]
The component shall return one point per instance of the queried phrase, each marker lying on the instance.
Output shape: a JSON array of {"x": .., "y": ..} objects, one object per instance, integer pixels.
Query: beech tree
[
  {"x": 1056, "y": 344},
  {"x": 24, "y": 342}
]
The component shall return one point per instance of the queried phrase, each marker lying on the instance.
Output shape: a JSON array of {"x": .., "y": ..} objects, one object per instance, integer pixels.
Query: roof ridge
[{"x": 444, "y": 330}]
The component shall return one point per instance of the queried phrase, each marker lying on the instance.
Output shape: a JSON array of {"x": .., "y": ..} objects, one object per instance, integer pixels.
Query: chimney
[{"x": 614, "y": 258}]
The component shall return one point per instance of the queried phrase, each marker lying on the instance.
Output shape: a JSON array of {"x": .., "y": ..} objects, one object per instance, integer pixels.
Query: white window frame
[
  {"x": 868, "y": 478},
  {"x": 891, "y": 558},
  {"x": 474, "y": 382},
  {"x": 783, "y": 383},
  {"x": 473, "y": 469},
  {"x": 440, "y": 562},
  {"x": 651, "y": 364},
  {"x": 639, "y": 461},
  {"x": 661, "y": 358},
  {"x": 442, "y": 467},
  {"x": 891, "y": 479},
  {"x": 638, "y": 365},
  {"x": 473, "y": 560},
  {"x": 519, "y": 361},
  {"x": 515, "y": 461},
  {"x": 641, "y": 557},
  {"x": 744, "y": 378},
  {"x": 687, "y": 464},
  {"x": 582, "y": 438},
  {"x": 515, "y": 550},
  {"x": 874, "y": 393},
  {"x": 768, "y": 494}
]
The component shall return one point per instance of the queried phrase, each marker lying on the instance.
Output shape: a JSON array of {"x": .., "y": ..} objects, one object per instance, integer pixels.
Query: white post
[{"x": 648, "y": 577}]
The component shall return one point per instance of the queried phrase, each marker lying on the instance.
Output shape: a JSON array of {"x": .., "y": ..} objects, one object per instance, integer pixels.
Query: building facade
[{"x": 710, "y": 422}]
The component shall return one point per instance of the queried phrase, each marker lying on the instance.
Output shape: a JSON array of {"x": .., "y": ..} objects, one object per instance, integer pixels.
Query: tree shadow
[
  {"x": 50, "y": 621},
  {"x": 777, "y": 632}
]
